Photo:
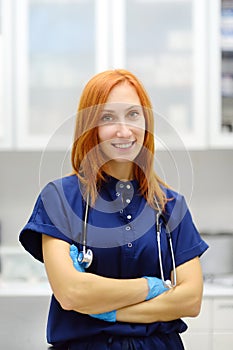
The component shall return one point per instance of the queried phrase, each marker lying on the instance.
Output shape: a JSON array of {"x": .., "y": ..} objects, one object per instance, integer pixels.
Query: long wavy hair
[{"x": 88, "y": 162}]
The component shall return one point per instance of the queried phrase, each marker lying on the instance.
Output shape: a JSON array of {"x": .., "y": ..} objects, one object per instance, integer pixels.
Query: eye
[
  {"x": 106, "y": 118},
  {"x": 134, "y": 115}
]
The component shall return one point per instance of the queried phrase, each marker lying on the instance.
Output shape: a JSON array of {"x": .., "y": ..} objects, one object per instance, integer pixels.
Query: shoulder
[
  {"x": 62, "y": 194},
  {"x": 55, "y": 213},
  {"x": 66, "y": 182},
  {"x": 173, "y": 198},
  {"x": 176, "y": 209},
  {"x": 67, "y": 186}
]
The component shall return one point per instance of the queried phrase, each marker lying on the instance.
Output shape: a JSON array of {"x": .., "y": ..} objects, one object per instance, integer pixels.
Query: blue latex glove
[
  {"x": 74, "y": 253},
  {"x": 156, "y": 287},
  {"x": 106, "y": 316}
]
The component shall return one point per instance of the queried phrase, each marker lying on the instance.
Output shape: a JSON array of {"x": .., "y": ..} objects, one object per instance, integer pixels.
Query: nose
[{"x": 123, "y": 130}]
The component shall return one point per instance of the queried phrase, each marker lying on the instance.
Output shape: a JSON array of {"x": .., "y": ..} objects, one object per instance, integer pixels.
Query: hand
[
  {"x": 156, "y": 287},
  {"x": 74, "y": 253},
  {"x": 106, "y": 316}
]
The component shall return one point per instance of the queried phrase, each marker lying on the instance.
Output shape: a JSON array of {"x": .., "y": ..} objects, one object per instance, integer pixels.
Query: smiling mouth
[{"x": 123, "y": 145}]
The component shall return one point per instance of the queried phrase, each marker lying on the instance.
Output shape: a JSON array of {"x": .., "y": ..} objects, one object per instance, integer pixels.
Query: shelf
[
  {"x": 16, "y": 288},
  {"x": 227, "y": 49},
  {"x": 227, "y": 97},
  {"x": 9, "y": 250},
  {"x": 18, "y": 265}
]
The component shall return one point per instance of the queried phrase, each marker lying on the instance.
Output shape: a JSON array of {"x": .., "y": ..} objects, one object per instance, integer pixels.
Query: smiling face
[{"x": 121, "y": 128}]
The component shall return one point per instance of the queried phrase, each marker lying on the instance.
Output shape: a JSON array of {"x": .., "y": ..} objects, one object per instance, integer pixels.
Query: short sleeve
[
  {"x": 50, "y": 216},
  {"x": 187, "y": 241}
]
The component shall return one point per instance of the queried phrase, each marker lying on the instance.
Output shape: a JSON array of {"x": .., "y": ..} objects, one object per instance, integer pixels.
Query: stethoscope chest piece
[{"x": 85, "y": 258}]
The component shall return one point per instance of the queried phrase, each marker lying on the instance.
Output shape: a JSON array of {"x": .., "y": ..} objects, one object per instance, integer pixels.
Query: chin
[{"x": 124, "y": 159}]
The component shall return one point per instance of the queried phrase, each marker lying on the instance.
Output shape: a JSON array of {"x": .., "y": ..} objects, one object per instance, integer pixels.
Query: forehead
[
  {"x": 123, "y": 93},
  {"x": 114, "y": 107}
]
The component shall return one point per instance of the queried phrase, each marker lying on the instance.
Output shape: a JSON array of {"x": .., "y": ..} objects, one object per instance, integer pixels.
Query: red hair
[{"x": 87, "y": 161}]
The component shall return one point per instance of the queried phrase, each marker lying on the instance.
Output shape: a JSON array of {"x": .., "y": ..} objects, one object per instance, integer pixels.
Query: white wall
[
  {"x": 211, "y": 201},
  {"x": 21, "y": 178}
]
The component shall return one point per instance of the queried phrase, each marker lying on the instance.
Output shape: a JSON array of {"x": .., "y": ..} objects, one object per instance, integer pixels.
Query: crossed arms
[{"x": 92, "y": 294}]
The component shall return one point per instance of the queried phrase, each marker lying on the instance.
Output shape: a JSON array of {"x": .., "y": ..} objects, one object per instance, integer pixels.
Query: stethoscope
[
  {"x": 159, "y": 216},
  {"x": 85, "y": 257}
]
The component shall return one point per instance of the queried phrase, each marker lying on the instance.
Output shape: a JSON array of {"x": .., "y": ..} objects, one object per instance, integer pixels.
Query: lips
[{"x": 123, "y": 145}]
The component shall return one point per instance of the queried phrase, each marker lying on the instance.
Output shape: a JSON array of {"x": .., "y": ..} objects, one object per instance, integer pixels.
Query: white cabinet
[
  {"x": 221, "y": 73},
  {"x": 6, "y": 99},
  {"x": 199, "y": 333},
  {"x": 213, "y": 328},
  {"x": 23, "y": 321},
  {"x": 222, "y": 323},
  {"x": 174, "y": 46},
  {"x": 164, "y": 43},
  {"x": 59, "y": 46}
]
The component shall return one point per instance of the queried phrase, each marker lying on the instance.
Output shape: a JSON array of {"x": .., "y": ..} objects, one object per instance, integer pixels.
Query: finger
[{"x": 74, "y": 252}]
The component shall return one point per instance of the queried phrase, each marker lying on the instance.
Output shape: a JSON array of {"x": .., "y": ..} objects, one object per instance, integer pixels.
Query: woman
[{"x": 120, "y": 301}]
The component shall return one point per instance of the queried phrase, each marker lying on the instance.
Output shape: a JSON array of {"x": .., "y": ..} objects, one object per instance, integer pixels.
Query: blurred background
[{"x": 182, "y": 51}]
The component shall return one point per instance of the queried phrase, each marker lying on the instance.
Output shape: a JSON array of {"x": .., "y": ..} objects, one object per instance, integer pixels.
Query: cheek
[
  {"x": 140, "y": 132},
  {"x": 141, "y": 127},
  {"x": 105, "y": 132}
]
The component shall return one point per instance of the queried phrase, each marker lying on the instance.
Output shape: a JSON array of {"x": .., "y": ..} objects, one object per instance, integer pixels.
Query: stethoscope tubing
[
  {"x": 84, "y": 238},
  {"x": 85, "y": 257},
  {"x": 167, "y": 283}
]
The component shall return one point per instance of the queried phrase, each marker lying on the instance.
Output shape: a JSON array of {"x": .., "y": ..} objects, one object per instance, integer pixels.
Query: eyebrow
[
  {"x": 134, "y": 106},
  {"x": 127, "y": 109}
]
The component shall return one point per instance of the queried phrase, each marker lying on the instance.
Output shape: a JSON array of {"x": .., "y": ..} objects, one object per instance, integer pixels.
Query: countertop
[
  {"x": 18, "y": 288},
  {"x": 34, "y": 288},
  {"x": 215, "y": 290},
  {"x": 20, "y": 285}
]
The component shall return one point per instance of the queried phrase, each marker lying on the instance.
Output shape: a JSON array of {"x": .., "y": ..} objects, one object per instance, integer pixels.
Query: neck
[{"x": 120, "y": 170}]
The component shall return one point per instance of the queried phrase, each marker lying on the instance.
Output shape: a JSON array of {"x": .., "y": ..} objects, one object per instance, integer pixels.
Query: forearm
[
  {"x": 181, "y": 301},
  {"x": 96, "y": 294},
  {"x": 86, "y": 292},
  {"x": 155, "y": 287}
]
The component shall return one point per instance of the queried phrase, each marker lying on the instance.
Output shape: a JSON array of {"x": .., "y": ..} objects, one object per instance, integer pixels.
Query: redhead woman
[{"x": 119, "y": 246}]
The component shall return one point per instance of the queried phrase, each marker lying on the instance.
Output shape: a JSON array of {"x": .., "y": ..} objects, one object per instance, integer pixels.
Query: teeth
[{"x": 123, "y": 145}]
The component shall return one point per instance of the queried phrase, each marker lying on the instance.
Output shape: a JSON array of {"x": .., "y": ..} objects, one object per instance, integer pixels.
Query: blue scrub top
[{"x": 121, "y": 233}]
